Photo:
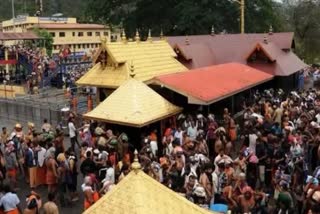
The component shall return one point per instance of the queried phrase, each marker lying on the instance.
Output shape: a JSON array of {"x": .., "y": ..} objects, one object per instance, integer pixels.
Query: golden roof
[
  {"x": 133, "y": 104},
  {"x": 138, "y": 193},
  {"x": 150, "y": 59}
]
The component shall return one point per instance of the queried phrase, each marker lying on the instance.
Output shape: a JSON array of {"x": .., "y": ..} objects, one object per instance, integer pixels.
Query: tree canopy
[
  {"x": 47, "y": 41},
  {"x": 184, "y": 16},
  {"x": 187, "y": 17}
]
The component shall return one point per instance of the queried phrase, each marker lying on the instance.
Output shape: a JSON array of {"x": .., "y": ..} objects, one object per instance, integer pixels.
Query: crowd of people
[
  {"x": 75, "y": 72},
  {"x": 42, "y": 70},
  {"x": 266, "y": 161}
]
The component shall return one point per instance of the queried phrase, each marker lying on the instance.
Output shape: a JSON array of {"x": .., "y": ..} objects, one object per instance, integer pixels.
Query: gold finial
[
  {"x": 265, "y": 39},
  {"x": 136, "y": 165},
  {"x": 161, "y": 34},
  {"x": 187, "y": 40},
  {"x": 270, "y": 30},
  {"x": 149, "y": 36},
  {"x": 123, "y": 37},
  {"x": 137, "y": 37},
  {"x": 212, "y": 31},
  {"x": 132, "y": 73}
]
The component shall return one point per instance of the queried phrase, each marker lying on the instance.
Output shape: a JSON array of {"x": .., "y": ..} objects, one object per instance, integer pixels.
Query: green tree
[
  {"x": 47, "y": 40},
  {"x": 304, "y": 19},
  {"x": 178, "y": 17}
]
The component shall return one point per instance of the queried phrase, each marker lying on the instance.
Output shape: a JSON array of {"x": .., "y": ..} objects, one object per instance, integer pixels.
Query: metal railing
[{"x": 28, "y": 111}]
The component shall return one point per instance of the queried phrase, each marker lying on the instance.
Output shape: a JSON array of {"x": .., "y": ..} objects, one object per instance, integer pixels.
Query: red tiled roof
[
  {"x": 18, "y": 36},
  {"x": 211, "y": 84},
  {"x": 205, "y": 50},
  {"x": 69, "y": 26}
]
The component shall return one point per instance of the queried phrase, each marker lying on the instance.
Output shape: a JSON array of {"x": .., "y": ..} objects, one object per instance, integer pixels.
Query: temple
[
  {"x": 189, "y": 71},
  {"x": 133, "y": 104},
  {"x": 270, "y": 52},
  {"x": 113, "y": 60}
]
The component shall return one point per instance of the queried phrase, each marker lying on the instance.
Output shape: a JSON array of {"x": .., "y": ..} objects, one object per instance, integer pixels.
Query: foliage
[
  {"x": 304, "y": 20},
  {"x": 47, "y": 41},
  {"x": 178, "y": 17}
]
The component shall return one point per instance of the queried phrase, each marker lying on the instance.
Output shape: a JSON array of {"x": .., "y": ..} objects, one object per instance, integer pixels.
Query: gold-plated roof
[
  {"x": 133, "y": 104},
  {"x": 138, "y": 193},
  {"x": 150, "y": 59}
]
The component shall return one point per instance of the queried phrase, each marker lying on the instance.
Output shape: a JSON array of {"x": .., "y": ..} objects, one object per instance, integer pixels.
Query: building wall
[
  {"x": 78, "y": 39},
  {"x": 21, "y": 23}
]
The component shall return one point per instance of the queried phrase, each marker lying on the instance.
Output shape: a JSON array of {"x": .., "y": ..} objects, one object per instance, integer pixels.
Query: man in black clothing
[
  {"x": 261, "y": 153},
  {"x": 88, "y": 166}
]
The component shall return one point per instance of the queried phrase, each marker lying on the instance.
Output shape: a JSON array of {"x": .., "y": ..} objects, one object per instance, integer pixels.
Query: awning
[
  {"x": 133, "y": 104},
  {"x": 207, "y": 85},
  {"x": 18, "y": 36}
]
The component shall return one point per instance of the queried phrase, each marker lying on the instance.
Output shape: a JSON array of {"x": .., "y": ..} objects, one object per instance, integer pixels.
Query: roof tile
[
  {"x": 149, "y": 59},
  {"x": 211, "y": 84},
  {"x": 133, "y": 104}
]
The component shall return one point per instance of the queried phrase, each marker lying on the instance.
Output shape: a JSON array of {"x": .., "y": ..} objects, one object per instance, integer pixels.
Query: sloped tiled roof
[
  {"x": 149, "y": 59},
  {"x": 133, "y": 104},
  {"x": 68, "y": 26},
  {"x": 228, "y": 48},
  {"x": 138, "y": 193},
  {"x": 207, "y": 85},
  {"x": 18, "y": 36}
]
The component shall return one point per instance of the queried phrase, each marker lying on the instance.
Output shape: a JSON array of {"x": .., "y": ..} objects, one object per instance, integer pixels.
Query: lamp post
[
  {"x": 13, "y": 16},
  {"x": 242, "y": 13}
]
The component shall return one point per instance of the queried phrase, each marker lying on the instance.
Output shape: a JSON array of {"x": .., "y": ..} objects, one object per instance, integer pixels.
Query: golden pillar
[{"x": 242, "y": 7}]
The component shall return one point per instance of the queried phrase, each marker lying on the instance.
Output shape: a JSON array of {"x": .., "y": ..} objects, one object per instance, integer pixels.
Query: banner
[{"x": 8, "y": 62}]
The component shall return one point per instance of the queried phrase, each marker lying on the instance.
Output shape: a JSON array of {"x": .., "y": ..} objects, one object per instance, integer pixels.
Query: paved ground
[{"x": 24, "y": 189}]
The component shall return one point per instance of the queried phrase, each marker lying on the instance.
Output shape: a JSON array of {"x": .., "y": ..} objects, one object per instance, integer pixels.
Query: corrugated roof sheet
[
  {"x": 149, "y": 59},
  {"x": 228, "y": 48},
  {"x": 138, "y": 193},
  {"x": 69, "y": 26},
  {"x": 211, "y": 84},
  {"x": 133, "y": 104},
  {"x": 18, "y": 36}
]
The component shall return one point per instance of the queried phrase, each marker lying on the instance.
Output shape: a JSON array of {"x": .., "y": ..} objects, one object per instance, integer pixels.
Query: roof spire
[
  {"x": 132, "y": 73},
  {"x": 212, "y": 31},
  {"x": 136, "y": 165},
  {"x": 270, "y": 30},
  {"x": 161, "y": 34},
  {"x": 187, "y": 40},
  {"x": 149, "y": 36},
  {"x": 137, "y": 37},
  {"x": 123, "y": 37}
]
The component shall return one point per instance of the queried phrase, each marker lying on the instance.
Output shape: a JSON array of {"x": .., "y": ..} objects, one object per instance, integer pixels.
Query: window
[
  {"x": 88, "y": 45},
  {"x": 80, "y": 34},
  {"x": 53, "y": 34},
  {"x": 62, "y": 34},
  {"x": 98, "y": 34},
  {"x": 97, "y": 45},
  {"x": 79, "y": 46},
  {"x": 89, "y": 33},
  {"x": 73, "y": 34},
  {"x": 106, "y": 33}
]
